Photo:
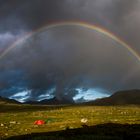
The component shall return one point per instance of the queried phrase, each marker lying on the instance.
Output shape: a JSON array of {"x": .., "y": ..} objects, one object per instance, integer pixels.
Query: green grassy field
[{"x": 18, "y": 120}]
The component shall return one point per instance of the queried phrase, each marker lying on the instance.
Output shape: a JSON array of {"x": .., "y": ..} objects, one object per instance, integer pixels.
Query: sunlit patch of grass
[{"x": 62, "y": 117}]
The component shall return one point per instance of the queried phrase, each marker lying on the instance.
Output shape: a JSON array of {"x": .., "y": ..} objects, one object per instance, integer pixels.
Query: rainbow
[{"x": 73, "y": 23}]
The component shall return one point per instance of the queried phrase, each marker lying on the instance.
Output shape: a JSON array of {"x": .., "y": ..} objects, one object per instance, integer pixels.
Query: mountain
[
  {"x": 53, "y": 101},
  {"x": 119, "y": 98},
  {"x": 8, "y": 101},
  {"x": 31, "y": 102}
]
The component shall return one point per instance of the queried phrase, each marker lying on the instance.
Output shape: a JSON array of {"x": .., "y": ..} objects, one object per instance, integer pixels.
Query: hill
[
  {"x": 8, "y": 101},
  {"x": 53, "y": 101},
  {"x": 120, "y": 98}
]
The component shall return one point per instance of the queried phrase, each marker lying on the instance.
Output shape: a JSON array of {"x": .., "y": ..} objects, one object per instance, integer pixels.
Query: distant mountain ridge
[
  {"x": 53, "y": 101},
  {"x": 119, "y": 98},
  {"x": 8, "y": 101}
]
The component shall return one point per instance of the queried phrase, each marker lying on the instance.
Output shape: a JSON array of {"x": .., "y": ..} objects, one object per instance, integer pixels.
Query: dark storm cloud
[
  {"x": 68, "y": 58},
  {"x": 78, "y": 58},
  {"x": 116, "y": 15},
  {"x": 34, "y": 13},
  {"x": 29, "y": 14}
]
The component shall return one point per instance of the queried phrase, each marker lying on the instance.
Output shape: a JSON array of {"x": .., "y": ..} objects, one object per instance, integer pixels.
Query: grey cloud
[
  {"x": 69, "y": 57},
  {"x": 70, "y": 60}
]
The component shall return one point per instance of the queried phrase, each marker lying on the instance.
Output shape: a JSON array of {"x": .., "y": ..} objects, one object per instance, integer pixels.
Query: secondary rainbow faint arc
[{"x": 73, "y": 23}]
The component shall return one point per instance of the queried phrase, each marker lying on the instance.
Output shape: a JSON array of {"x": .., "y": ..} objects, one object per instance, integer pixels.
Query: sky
[{"x": 68, "y": 62}]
